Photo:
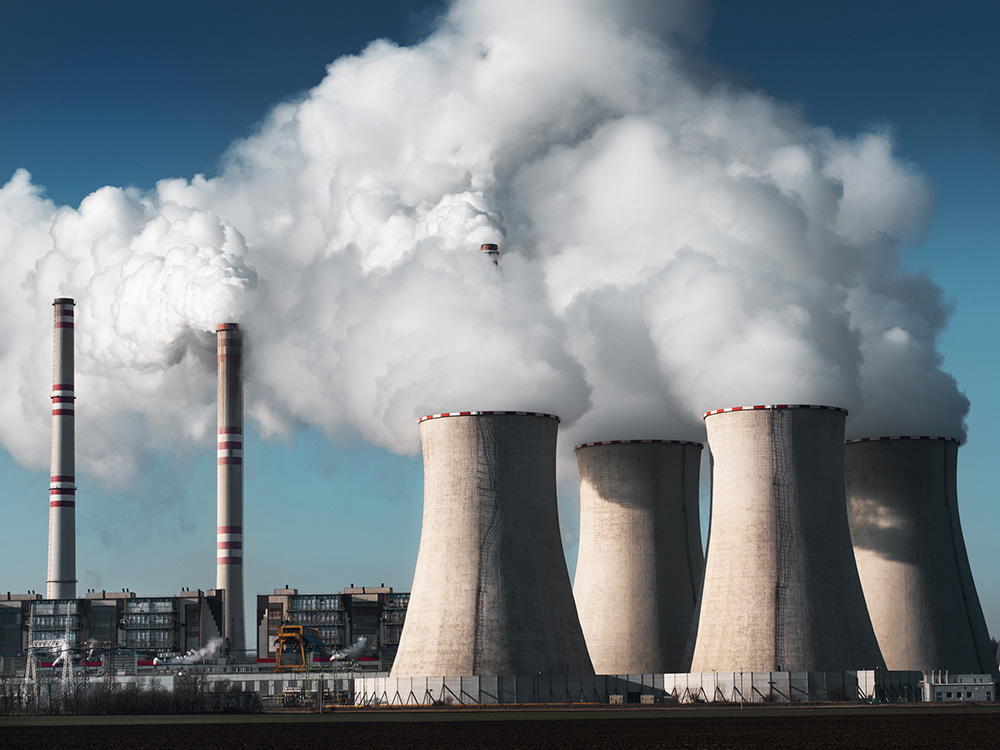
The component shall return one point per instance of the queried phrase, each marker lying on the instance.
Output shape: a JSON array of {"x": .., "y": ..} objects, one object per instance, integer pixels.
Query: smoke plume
[{"x": 672, "y": 243}]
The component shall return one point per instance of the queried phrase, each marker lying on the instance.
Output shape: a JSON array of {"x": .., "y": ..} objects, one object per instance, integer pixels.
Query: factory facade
[
  {"x": 372, "y": 613},
  {"x": 106, "y": 621}
]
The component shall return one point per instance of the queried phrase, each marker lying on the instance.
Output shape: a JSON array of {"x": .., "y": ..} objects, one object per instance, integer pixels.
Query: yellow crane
[{"x": 293, "y": 646}]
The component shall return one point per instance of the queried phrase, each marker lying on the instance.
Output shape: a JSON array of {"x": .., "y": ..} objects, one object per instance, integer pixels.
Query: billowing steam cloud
[{"x": 672, "y": 244}]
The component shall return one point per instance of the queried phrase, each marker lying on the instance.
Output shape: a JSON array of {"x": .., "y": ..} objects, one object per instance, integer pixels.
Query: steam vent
[
  {"x": 902, "y": 504},
  {"x": 229, "y": 554},
  {"x": 640, "y": 564},
  {"x": 491, "y": 592},
  {"x": 781, "y": 587},
  {"x": 61, "y": 580}
]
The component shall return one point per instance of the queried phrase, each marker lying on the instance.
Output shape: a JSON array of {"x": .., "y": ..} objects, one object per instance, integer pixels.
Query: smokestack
[
  {"x": 491, "y": 593},
  {"x": 902, "y": 503},
  {"x": 61, "y": 583},
  {"x": 493, "y": 251},
  {"x": 229, "y": 562},
  {"x": 781, "y": 587},
  {"x": 641, "y": 563}
]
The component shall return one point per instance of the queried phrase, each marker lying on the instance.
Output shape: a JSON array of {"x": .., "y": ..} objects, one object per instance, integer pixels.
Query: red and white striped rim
[
  {"x": 639, "y": 442},
  {"x": 228, "y": 327},
  {"x": 762, "y": 407},
  {"x": 900, "y": 437},
  {"x": 488, "y": 413}
]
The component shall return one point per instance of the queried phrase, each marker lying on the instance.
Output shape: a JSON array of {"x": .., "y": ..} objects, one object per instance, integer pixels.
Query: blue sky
[{"x": 114, "y": 93}]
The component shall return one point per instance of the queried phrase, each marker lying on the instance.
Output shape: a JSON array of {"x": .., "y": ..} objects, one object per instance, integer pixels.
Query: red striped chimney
[
  {"x": 61, "y": 580},
  {"x": 493, "y": 251},
  {"x": 229, "y": 538}
]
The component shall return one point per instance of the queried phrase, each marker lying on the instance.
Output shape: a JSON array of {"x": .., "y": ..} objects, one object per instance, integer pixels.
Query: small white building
[{"x": 942, "y": 686}]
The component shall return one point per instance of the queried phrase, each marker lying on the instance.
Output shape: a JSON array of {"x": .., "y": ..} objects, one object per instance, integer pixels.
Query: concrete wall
[
  {"x": 781, "y": 588},
  {"x": 491, "y": 592},
  {"x": 903, "y": 509},
  {"x": 710, "y": 687},
  {"x": 641, "y": 563}
]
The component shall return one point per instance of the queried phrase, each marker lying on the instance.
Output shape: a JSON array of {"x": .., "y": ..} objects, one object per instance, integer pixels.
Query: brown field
[{"x": 766, "y": 728}]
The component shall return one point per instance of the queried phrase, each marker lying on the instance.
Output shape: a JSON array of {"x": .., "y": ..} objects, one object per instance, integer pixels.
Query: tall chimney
[
  {"x": 493, "y": 251},
  {"x": 229, "y": 561},
  {"x": 61, "y": 582}
]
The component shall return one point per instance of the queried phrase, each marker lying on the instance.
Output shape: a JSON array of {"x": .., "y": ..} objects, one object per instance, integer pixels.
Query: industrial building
[
  {"x": 491, "y": 592},
  {"x": 106, "y": 621},
  {"x": 640, "y": 564},
  {"x": 374, "y": 613},
  {"x": 781, "y": 589},
  {"x": 902, "y": 503}
]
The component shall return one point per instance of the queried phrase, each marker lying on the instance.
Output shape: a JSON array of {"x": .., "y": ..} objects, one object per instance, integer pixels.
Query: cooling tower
[
  {"x": 61, "y": 582},
  {"x": 781, "y": 587},
  {"x": 640, "y": 564},
  {"x": 229, "y": 562},
  {"x": 902, "y": 505},
  {"x": 491, "y": 593}
]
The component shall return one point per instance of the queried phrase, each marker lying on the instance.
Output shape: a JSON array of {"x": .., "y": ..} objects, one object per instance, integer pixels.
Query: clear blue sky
[{"x": 126, "y": 94}]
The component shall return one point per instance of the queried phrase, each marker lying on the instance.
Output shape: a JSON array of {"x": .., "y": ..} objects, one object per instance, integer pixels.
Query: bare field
[{"x": 764, "y": 728}]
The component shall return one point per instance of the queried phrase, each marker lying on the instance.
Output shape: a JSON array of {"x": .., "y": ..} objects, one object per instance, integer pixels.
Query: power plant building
[
  {"x": 107, "y": 621},
  {"x": 491, "y": 592},
  {"x": 781, "y": 589},
  {"x": 375, "y": 613},
  {"x": 640, "y": 564},
  {"x": 902, "y": 503},
  {"x": 61, "y": 581},
  {"x": 229, "y": 538}
]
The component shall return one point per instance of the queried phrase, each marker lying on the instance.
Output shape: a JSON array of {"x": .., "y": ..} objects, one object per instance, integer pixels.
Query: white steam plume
[
  {"x": 353, "y": 651},
  {"x": 671, "y": 244},
  {"x": 211, "y": 651}
]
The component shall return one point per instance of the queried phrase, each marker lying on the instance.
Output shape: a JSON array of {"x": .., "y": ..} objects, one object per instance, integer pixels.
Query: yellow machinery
[{"x": 295, "y": 642}]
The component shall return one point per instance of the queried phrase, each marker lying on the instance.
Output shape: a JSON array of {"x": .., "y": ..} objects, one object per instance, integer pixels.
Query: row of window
[
  {"x": 315, "y": 602},
  {"x": 55, "y": 621},
  {"x": 149, "y": 621},
  {"x": 149, "y": 605}
]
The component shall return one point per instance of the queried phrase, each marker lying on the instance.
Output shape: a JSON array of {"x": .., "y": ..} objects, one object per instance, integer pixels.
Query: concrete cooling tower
[
  {"x": 61, "y": 579},
  {"x": 902, "y": 504},
  {"x": 781, "y": 587},
  {"x": 229, "y": 504},
  {"x": 491, "y": 594},
  {"x": 641, "y": 563}
]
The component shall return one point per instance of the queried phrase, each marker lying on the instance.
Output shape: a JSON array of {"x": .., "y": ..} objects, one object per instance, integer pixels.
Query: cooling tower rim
[
  {"x": 639, "y": 442},
  {"x": 228, "y": 327},
  {"x": 63, "y": 301},
  {"x": 488, "y": 414},
  {"x": 900, "y": 437},
  {"x": 773, "y": 407},
  {"x": 488, "y": 246}
]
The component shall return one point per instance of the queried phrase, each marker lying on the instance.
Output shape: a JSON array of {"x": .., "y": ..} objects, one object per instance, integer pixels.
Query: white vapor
[
  {"x": 351, "y": 652},
  {"x": 671, "y": 243},
  {"x": 209, "y": 652}
]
